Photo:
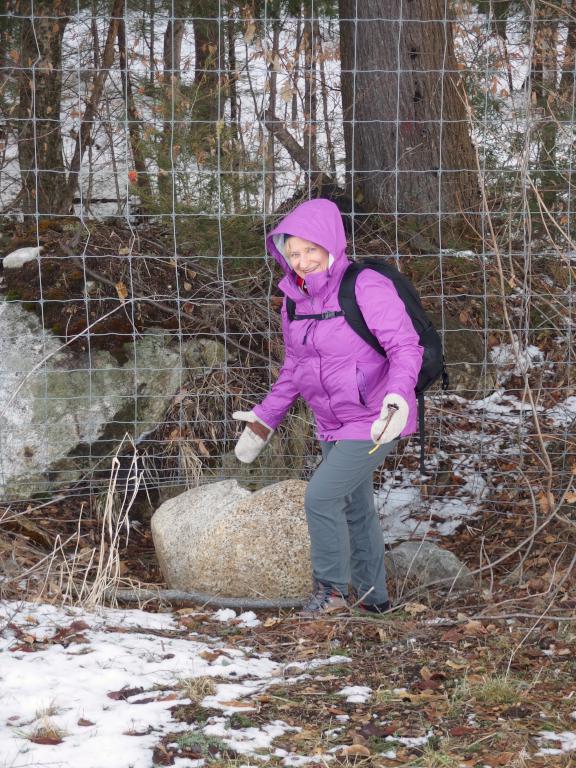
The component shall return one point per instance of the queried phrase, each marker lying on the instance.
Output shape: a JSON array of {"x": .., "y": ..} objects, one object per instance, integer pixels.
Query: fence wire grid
[{"x": 147, "y": 147}]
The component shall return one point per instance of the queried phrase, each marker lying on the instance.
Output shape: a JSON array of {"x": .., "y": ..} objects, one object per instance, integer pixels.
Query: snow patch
[
  {"x": 563, "y": 414},
  {"x": 358, "y": 694},
  {"x": 567, "y": 741},
  {"x": 514, "y": 359},
  {"x": 114, "y": 652}
]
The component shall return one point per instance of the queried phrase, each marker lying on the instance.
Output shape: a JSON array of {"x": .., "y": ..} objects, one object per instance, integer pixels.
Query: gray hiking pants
[{"x": 345, "y": 533}]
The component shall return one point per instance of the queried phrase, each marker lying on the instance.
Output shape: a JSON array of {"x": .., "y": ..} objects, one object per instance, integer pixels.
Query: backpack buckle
[{"x": 330, "y": 315}]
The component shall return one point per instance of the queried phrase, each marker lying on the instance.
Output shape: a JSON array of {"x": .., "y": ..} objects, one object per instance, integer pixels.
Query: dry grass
[
  {"x": 50, "y": 710},
  {"x": 383, "y": 696},
  {"x": 197, "y": 688},
  {"x": 45, "y": 732},
  {"x": 90, "y": 576},
  {"x": 437, "y": 757},
  {"x": 494, "y": 690}
]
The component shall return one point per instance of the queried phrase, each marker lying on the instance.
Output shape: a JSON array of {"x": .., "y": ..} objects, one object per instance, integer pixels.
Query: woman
[{"x": 362, "y": 401}]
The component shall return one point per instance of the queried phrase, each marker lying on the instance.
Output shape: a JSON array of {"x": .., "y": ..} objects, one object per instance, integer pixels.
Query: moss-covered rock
[
  {"x": 60, "y": 410},
  {"x": 472, "y": 375}
]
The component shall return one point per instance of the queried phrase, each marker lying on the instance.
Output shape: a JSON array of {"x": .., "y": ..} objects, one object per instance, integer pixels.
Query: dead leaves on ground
[{"x": 449, "y": 683}]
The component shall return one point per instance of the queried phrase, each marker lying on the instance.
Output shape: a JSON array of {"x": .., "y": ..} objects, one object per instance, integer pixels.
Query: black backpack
[{"x": 433, "y": 363}]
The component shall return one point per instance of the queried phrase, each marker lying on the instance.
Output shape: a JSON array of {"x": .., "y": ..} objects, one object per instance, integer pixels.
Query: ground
[
  {"x": 137, "y": 689},
  {"x": 486, "y": 679}
]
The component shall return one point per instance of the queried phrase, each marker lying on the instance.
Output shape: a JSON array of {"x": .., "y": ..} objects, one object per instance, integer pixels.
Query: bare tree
[{"x": 65, "y": 200}]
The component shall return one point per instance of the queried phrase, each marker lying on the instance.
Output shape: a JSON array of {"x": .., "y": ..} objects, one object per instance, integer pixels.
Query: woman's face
[{"x": 305, "y": 257}]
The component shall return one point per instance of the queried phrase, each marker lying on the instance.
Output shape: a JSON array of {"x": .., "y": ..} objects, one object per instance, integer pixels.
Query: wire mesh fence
[{"x": 147, "y": 147}]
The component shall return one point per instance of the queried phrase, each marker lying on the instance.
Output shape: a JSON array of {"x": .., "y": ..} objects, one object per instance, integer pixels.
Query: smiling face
[{"x": 305, "y": 257}]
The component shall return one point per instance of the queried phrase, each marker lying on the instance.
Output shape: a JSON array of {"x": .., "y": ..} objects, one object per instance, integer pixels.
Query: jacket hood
[{"x": 316, "y": 220}]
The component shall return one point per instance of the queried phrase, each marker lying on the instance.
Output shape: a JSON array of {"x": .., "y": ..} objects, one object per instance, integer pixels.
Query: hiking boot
[
  {"x": 375, "y": 608},
  {"x": 322, "y": 602},
  {"x": 359, "y": 604}
]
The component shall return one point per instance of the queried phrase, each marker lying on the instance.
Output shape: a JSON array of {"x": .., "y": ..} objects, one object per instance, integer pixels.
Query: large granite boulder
[{"x": 220, "y": 539}]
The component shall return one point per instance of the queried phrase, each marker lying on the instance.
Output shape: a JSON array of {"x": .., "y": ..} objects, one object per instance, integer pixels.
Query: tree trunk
[
  {"x": 270, "y": 176},
  {"x": 134, "y": 120},
  {"x": 324, "y": 92},
  {"x": 295, "y": 75},
  {"x": 237, "y": 153},
  {"x": 545, "y": 83},
  {"x": 207, "y": 102},
  {"x": 171, "y": 102},
  {"x": 566, "y": 88},
  {"x": 408, "y": 146},
  {"x": 152, "y": 62},
  {"x": 40, "y": 148},
  {"x": 232, "y": 77},
  {"x": 310, "y": 100}
]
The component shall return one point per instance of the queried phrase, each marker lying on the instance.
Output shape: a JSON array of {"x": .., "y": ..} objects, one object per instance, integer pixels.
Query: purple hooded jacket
[{"x": 342, "y": 378}]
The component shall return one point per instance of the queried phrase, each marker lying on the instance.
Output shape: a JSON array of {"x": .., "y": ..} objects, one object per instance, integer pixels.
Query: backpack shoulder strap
[
  {"x": 422, "y": 431},
  {"x": 349, "y": 305},
  {"x": 290, "y": 308}
]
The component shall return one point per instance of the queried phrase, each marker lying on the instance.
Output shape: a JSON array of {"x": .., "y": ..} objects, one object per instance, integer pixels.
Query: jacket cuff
[
  {"x": 266, "y": 418},
  {"x": 260, "y": 429}
]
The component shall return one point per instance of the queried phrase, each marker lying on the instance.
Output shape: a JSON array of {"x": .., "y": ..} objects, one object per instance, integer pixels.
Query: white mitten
[
  {"x": 392, "y": 420},
  {"x": 254, "y": 439}
]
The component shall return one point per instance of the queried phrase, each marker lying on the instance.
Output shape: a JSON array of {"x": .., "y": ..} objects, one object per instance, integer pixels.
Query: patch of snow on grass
[
  {"x": 564, "y": 413},
  {"x": 248, "y": 740},
  {"x": 411, "y": 741},
  {"x": 112, "y": 651},
  {"x": 357, "y": 694},
  {"x": 513, "y": 359},
  {"x": 225, "y": 614},
  {"x": 567, "y": 741},
  {"x": 248, "y": 619},
  {"x": 297, "y": 760}
]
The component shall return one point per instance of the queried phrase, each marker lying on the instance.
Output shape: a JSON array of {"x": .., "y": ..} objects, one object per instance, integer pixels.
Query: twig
[{"x": 506, "y": 616}]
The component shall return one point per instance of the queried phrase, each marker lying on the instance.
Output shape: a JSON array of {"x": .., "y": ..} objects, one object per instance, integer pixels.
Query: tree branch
[{"x": 296, "y": 152}]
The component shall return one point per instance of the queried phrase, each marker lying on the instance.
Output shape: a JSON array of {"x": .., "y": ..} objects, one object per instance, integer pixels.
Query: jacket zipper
[{"x": 320, "y": 369}]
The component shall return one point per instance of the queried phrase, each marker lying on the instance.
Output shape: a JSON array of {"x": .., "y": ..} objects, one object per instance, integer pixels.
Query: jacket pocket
[{"x": 362, "y": 388}]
